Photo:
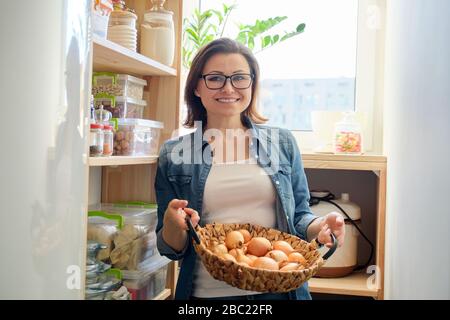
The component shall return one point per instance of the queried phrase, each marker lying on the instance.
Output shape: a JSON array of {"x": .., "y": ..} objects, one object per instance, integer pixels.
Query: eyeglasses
[{"x": 217, "y": 81}]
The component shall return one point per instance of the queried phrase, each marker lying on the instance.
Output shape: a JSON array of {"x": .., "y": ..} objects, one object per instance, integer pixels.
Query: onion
[
  {"x": 246, "y": 234},
  {"x": 241, "y": 257},
  {"x": 220, "y": 249},
  {"x": 277, "y": 255},
  {"x": 258, "y": 246},
  {"x": 265, "y": 263},
  {"x": 290, "y": 266},
  {"x": 234, "y": 239},
  {"x": 283, "y": 246},
  {"x": 228, "y": 256},
  {"x": 297, "y": 257}
]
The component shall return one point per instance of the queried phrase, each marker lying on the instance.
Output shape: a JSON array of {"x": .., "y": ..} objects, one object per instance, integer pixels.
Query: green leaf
[
  {"x": 266, "y": 41},
  {"x": 301, "y": 27}
]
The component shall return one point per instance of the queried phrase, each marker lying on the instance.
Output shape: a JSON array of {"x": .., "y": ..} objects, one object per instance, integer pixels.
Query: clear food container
[
  {"x": 121, "y": 107},
  {"x": 108, "y": 140},
  {"x": 158, "y": 35},
  {"x": 118, "y": 85},
  {"x": 133, "y": 240},
  {"x": 101, "y": 9},
  {"x": 96, "y": 140},
  {"x": 137, "y": 137},
  {"x": 148, "y": 282},
  {"x": 348, "y": 135}
]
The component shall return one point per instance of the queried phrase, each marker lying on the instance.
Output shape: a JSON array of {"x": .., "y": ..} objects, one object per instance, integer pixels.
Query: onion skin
[
  {"x": 297, "y": 257},
  {"x": 234, "y": 239},
  {"x": 290, "y": 266},
  {"x": 277, "y": 255},
  {"x": 283, "y": 246},
  {"x": 246, "y": 234},
  {"x": 265, "y": 263},
  {"x": 259, "y": 246}
]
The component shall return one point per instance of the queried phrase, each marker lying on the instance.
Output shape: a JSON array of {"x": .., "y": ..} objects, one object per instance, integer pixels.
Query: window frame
[{"x": 369, "y": 76}]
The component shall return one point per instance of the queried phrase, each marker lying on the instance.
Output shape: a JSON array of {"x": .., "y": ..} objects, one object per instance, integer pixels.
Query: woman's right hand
[{"x": 175, "y": 226}]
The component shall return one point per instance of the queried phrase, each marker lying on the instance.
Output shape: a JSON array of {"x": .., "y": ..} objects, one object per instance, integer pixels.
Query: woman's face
[{"x": 227, "y": 101}]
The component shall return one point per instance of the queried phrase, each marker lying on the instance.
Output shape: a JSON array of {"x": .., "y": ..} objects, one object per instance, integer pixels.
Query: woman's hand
[
  {"x": 332, "y": 222},
  {"x": 175, "y": 226}
]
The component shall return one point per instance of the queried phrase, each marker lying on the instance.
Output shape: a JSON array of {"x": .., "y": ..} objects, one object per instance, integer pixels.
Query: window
[{"x": 329, "y": 67}]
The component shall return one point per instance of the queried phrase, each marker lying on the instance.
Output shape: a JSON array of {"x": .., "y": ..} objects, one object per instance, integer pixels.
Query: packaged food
[
  {"x": 134, "y": 239},
  {"x": 121, "y": 107},
  {"x": 348, "y": 135},
  {"x": 118, "y": 85},
  {"x": 96, "y": 140},
  {"x": 137, "y": 137}
]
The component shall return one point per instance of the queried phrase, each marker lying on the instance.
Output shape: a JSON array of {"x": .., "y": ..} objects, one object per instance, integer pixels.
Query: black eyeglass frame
[{"x": 252, "y": 77}]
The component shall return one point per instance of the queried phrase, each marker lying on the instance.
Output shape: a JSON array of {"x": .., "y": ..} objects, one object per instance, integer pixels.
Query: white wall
[{"x": 417, "y": 134}]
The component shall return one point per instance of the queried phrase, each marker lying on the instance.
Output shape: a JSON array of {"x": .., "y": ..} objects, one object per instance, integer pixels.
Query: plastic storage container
[
  {"x": 133, "y": 236},
  {"x": 348, "y": 135},
  {"x": 148, "y": 282},
  {"x": 158, "y": 34},
  {"x": 118, "y": 85},
  {"x": 96, "y": 140},
  {"x": 101, "y": 9},
  {"x": 121, "y": 107},
  {"x": 137, "y": 137}
]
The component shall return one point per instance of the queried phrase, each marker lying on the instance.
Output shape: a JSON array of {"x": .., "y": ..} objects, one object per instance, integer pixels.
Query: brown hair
[{"x": 196, "y": 110}]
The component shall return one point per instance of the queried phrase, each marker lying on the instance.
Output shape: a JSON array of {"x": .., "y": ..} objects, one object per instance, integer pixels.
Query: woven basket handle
[
  {"x": 192, "y": 231},
  {"x": 330, "y": 252}
]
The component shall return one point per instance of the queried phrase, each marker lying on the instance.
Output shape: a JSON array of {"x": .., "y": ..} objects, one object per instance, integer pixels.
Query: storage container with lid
[
  {"x": 121, "y": 107},
  {"x": 122, "y": 29},
  {"x": 158, "y": 34},
  {"x": 134, "y": 236},
  {"x": 118, "y": 85},
  {"x": 108, "y": 140},
  {"x": 96, "y": 140},
  {"x": 148, "y": 282},
  {"x": 137, "y": 137},
  {"x": 348, "y": 135},
  {"x": 101, "y": 9},
  {"x": 345, "y": 259}
]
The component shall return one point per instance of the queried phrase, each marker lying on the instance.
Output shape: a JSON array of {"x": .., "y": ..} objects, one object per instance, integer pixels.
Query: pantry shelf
[
  {"x": 109, "y": 56},
  {"x": 121, "y": 160},
  {"x": 163, "y": 295},
  {"x": 356, "y": 284},
  {"x": 343, "y": 162}
]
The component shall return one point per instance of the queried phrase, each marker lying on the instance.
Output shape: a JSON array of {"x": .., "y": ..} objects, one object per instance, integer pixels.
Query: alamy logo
[
  {"x": 238, "y": 144},
  {"x": 73, "y": 281}
]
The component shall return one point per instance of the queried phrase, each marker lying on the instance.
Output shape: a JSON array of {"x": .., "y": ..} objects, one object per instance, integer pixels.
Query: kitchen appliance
[{"x": 344, "y": 260}]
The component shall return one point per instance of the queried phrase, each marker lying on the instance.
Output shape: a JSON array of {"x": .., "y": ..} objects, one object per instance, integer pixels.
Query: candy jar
[{"x": 347, "y": 135}]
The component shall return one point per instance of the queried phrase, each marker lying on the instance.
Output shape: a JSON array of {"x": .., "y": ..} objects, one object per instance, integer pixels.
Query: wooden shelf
[
  {"x": 343, "y": 162},
  {"x": 109, "y": 56},
  {"x": 355, "y": 284},
  {"x": 121, "y": 160},
  {"x": 163, "y": 295}
]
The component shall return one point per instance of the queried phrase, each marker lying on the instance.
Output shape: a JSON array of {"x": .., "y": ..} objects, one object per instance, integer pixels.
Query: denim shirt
[{"x": 183, "y": 167}]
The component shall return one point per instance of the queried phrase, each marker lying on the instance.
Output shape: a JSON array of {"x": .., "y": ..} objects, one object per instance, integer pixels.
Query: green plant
[{"x": 203, "y": 27}]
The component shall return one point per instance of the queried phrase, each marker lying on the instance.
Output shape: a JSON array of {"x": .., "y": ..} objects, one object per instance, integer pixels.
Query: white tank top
[{"x": 236, "y": 192}]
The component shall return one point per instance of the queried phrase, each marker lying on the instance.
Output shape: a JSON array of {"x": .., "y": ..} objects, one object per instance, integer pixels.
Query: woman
[{"x": 230, "y": 170}]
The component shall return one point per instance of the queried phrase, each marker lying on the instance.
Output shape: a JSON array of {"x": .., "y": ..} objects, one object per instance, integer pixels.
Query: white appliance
[
  {"x": 46, "y": 62},
  {"x": 344, "y": 260}
]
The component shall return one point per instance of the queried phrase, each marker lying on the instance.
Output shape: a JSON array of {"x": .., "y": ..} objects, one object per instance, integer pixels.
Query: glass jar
[
  {"x": 348, "y": 135},
  {"x": 96, "y": 140},
  {"x": 158, "y": 34},
  {"x": 108, "y": 140},
  {"x": 122, "y": 29}
]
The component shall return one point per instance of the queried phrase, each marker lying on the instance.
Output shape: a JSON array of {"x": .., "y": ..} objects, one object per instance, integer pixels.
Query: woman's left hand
[{"x": 332, "y": 223}]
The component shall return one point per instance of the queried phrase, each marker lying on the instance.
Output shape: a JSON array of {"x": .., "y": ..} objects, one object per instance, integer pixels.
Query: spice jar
[
  {"x": 158, "y": 34},
  {"x": 348, "y": 135},
  {"x": 96, "y": 140},
  {"x": 108, "y": 140}
]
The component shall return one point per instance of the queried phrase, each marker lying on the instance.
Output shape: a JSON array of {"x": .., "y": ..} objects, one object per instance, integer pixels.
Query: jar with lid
[
  {"x": 348, "y": 135},
  {"x": 96, "y": 140},
  {"x": 122, "y": 29},
  {"x": 108, "y": 140},
  {"x": 158, "y": 34}
]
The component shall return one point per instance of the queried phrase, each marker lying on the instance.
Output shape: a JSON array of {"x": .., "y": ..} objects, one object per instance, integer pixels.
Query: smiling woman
[{"x": 263, "y": 183}]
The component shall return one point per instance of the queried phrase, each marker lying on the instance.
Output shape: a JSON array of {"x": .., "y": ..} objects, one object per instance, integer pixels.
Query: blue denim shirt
[{"x": 183, "y": 167}]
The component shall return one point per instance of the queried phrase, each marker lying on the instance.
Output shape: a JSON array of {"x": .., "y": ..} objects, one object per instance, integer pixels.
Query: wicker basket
[{"x": 249, "y": 278}]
